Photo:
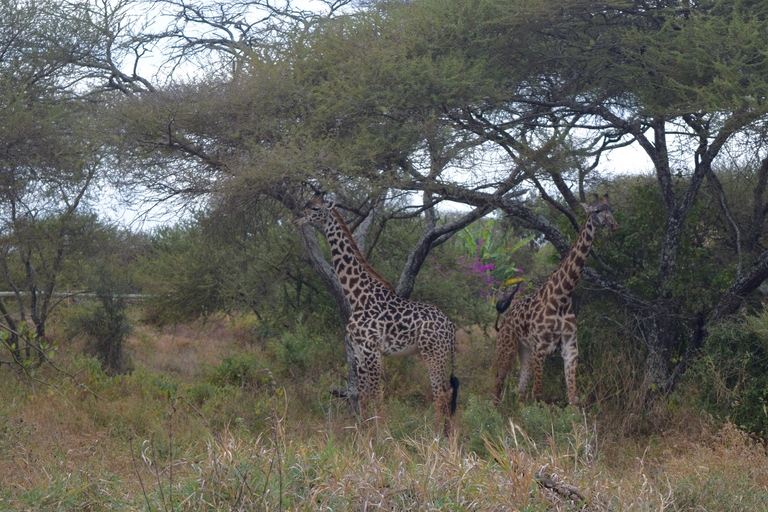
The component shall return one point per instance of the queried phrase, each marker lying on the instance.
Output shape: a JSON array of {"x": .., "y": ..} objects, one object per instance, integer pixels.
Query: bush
[
  {"x": 732, "y": 373},
  {"x": 240, "y": 371},
  {"x": 106, "y": 328}
]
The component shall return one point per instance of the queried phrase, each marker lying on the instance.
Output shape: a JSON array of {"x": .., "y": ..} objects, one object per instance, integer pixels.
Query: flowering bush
[{"x": 489, "y": 263}]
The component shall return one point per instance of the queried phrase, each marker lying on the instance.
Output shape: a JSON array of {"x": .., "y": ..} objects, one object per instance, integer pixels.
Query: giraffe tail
[
  {"x": 503, "y": 305},
  {"x": 455, "y": 387}
]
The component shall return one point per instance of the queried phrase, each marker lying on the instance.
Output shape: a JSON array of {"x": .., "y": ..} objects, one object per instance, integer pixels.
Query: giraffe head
[
  {"x": 602, "y": 212},
  {"x": 315, "y": 210}
]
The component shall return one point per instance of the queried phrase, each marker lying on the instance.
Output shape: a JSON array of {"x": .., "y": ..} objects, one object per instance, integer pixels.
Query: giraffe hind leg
[
  {"x": 506, "y": 350},
  {"x": 373, "y": 364},
  {"x": 570, "y": 352},
  {"x": 445, "y": 407},
  {"x": 363, "y": 383},
  {"x": 525, "y": 372},
  {"x": 444, "y": 390}
]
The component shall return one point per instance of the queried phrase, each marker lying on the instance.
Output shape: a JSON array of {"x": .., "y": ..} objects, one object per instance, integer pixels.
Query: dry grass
[
  {"x": 181, "y": 349},
  {"x": 144, "y": 446}
]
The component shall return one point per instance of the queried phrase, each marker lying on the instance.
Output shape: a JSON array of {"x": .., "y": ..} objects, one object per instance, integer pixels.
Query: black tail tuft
[
  {"x": 455, "y": 386},
  {"x": 503, "y": 305}
]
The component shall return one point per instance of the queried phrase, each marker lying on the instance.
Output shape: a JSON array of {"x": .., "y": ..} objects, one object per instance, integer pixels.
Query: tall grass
[{"x": 254, "y": 428}]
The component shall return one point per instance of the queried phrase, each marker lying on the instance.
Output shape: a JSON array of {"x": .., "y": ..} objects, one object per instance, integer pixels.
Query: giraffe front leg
[
  {"x": 363, "y": 384},
  {"x": 570, "y": 352},
  {"x": 372, "y": 359}
]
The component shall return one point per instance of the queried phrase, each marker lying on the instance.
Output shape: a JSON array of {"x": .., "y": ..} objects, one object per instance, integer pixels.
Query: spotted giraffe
[
  {"x": 536, "y": 326},
  {"x": 382, "y": 322}
]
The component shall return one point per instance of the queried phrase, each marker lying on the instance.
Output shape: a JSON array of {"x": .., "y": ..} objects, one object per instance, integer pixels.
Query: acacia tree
[
  {"x": 49, "y": 154},
  {"x": 260, "y": 125},
  {"x": 394, "y": 98},
  {"x": 683, "y": 83},
  {"x": 556, "y": 88}
]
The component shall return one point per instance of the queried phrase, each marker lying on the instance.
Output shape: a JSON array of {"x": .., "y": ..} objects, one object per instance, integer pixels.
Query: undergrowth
[{"x": 255, "y": 428}]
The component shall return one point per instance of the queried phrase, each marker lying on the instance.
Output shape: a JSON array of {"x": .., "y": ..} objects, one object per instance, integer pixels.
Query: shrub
[
  {"x": 239, "y": 371},
  {"x": 732, "y": 373},
  {"x": 105, "y": 324},
  {"x": 106, "y": 327}
]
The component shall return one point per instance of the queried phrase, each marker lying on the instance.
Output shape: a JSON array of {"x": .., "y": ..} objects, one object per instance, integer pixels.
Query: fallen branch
[{"x": 564, "y": 490}]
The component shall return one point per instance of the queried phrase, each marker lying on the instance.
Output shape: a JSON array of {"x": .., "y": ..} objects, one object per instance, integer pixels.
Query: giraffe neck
[
  {"x": 357, "y": 278},
  {"x": 562, "y": 282}
]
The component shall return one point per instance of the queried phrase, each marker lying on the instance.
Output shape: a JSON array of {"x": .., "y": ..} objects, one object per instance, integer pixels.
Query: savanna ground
[{"x": 230, "y": 416}]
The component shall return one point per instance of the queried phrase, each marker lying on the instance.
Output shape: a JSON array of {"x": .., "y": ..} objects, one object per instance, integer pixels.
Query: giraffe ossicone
[
  {"x": 536, "y": 326},
  {"x": 382, "y": 322}
]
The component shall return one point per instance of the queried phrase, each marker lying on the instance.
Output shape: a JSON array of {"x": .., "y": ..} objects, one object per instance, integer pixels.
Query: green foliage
[
  {"x": 444, "y": 281},
  {"x": 731, "y": 375},
  {"x": 406, "y": 419},
  {"x": 28, "y": 352},
  {"x": 536, "y": 422},
  {"x": 301, "y": 350},
  {"x": 240, "y": 371},
  {"x": 185, "y": 273},
  {"x": 490, "y": 247},
  {"x": 705, "y": 264},
  {"x": 482, "y": 421},
  {"x": 201, "y": 392},
  {"x": 235, "y": 258}
]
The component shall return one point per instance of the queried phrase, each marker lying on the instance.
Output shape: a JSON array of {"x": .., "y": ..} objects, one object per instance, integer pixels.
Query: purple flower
[{"x": 479, "y": 246}]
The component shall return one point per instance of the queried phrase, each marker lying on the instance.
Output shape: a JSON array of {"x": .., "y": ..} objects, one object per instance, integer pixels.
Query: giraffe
[
  {"x": 536, "y": 326},
  {"x": 382, "y": 322}
]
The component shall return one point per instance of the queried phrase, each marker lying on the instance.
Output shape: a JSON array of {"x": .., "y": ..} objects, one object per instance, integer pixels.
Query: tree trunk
[{"x": 659, "y": 339}]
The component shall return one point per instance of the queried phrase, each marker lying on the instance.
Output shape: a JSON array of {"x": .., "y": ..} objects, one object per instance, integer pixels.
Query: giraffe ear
[{"x": 587, "y": 208}]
